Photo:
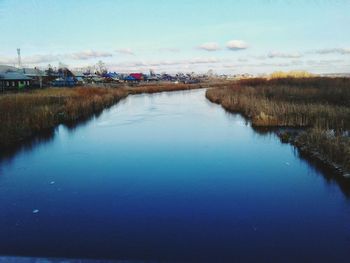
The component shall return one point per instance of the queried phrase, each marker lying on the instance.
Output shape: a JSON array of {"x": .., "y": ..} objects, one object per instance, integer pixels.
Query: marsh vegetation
[
  {"x": 25, "y": 114},
  {"x": 319, "y": 105}
]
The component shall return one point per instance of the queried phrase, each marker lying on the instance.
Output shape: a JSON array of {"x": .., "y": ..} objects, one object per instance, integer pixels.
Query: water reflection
[
  {"x": 328, "y": 173},
  {"x": 26, "y": 146},
  {"x": 170, "y": 177},
  {"x": 47, "y": 136},
  {"x": 43, "y": 137}
]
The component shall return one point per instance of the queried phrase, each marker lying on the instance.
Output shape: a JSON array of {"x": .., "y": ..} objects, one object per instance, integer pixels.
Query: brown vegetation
[
  {"x": 23, "y": 115},
  {"x": 290, "y": 74},
  {"x": 320, "y": 104},
  {"x": 154, "y": 88},
  {"x": 334, "y": 150}
]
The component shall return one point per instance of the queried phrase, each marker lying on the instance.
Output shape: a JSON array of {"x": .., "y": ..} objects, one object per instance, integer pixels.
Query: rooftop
[{"x": 13, "y": 76}]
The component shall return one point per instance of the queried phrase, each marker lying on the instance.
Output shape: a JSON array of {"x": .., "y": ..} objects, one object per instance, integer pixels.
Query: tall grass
[
  {"x": 314, "y": 102},
  {"x": 290, "y": 74},
  {"x": 320, "y": 104},
  {"x": 22, "y": 115},
  {"x": 326, "y": 146},
  {"x": 25, "y": 114},
  {"x": 154, "y": 88}
]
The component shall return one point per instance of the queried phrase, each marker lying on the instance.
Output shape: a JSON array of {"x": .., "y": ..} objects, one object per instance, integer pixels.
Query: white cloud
[
  {"x": 191, "y": 61},
  {"x": 284, "y": 64},
  {"x": 169, "y": 49},
  {"x": 276, "y": 54},
  {"x": 342, "y": 51},
  {"x": 211, "y": 46},
  {"x": 260, "y": 57},
  {"x": 35, "y": 59},
  {"x": 236, "y": 45},
  {"x": 49, "y": 58},
  {"x": 7, "y": 61},
  {"x": 327, "y": 62},
  {"x": 243, "y": 60},
  {"x": 201, "y": 61},
  {"x": 126, "y": 51},
  {"x": 88, "y": 54}
]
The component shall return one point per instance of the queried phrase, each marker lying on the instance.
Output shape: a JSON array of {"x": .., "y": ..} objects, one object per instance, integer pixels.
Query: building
[
  {"x": 14, "y": 80},
  {"x": 64, "y": 82},
  {"x": 66, "y": 78},
  {"x": 137, "y": 76}
]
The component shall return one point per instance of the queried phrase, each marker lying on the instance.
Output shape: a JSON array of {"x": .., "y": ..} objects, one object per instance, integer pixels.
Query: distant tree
[
  {"x": 49, "y": 70},
  {"x": 210, "y": 73},
  {"x": 101, "y": 67},
  {"x": 62, "y": 65}
]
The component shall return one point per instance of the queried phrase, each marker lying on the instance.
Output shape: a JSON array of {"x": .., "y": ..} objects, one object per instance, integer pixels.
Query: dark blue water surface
[{"x": 170, "y": 177}]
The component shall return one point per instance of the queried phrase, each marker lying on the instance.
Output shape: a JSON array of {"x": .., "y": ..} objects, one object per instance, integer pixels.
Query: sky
[{"x": 226, "y": 36}]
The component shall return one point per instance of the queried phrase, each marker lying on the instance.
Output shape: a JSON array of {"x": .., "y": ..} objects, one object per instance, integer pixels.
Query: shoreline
[
  {"x": 313, "y": 153},
  {"x": 287, "y": 134},
  {"x": 35, "y": 112}
]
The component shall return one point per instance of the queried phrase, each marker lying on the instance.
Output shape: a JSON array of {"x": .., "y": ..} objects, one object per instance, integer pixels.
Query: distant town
[{"x": 19, "y": 77}]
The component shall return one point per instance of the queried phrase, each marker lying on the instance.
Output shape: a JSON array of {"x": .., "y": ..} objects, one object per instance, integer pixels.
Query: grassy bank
[
  {"x": 319, "y": 105},
  {"x": 23, "y": 115},
  {"x": 154, "y": 88}
]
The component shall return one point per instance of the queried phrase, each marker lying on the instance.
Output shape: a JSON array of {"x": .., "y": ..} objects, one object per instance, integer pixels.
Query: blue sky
[{"x": 226, "y": 36}]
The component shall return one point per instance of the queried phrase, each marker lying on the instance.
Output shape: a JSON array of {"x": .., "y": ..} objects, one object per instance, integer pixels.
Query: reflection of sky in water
[{"x": 170, "y": 176}]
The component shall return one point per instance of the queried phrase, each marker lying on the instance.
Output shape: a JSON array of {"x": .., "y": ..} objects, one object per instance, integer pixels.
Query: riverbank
[
  {"x": 25, "y": 114},
  {"x": 320, "y": 106}
]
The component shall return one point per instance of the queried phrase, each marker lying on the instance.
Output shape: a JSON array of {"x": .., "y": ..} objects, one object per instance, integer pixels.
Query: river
[{"x": 170, "y": 177}]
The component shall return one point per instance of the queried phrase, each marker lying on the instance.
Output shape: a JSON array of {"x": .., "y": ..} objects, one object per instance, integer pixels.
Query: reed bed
[
  {"x": 331, "y": 149},
  {"x": 320, "y": 105},
  {"x": 162, "y": 87},
  {"x": 23, "y": 115}
]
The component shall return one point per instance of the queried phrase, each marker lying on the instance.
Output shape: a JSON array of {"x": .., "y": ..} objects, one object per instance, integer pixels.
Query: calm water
[{"x": 170, "y": 177}]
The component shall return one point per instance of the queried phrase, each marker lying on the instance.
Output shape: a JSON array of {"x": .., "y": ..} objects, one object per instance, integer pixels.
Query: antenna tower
[{"x": 19, "y": 58}]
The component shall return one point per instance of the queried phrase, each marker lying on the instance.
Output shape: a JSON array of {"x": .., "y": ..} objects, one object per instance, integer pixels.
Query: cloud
[
  {"x": 328, "y": 62},
  {"x": 342, "y": 51},
  {"x": 172, "y": 50},
  {"x": 35, "y": 59},
  {"x": 236, "y": 45},
  {"x": 191, "y": 61},
  {"x": 260, "y": 57},
  {"x": 7, "y": 61},
  {"x": 49, "y": 58},
  {"x": 126, "y": 51},
  {"x": 243, "y": 60},
  {"x": 170, "y": 66},
  {"x": 211, "y": 46},
  {"x": 276, "y": 54},
  {"x": 202, "y": 61},
  {"x": 284, "y": 64},
  {"x": 88, "y": 54}
]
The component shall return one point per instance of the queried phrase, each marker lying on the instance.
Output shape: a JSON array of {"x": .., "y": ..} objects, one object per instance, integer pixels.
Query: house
[
  {"x": 111, "y": 77},
  {"x": 137, "y": 76},
  {"x": 66, "y": 78},
  {"x": 40, "y": 78},
  {"x": 130, "y": 79},
  {"x": 64, "y": 82},
  {"x": 80, "y": 77},
  {"x": 14, "y": 80}
]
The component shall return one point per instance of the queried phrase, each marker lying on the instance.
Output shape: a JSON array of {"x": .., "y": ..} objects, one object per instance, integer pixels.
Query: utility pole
[{"x": 38, "y": 72}]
